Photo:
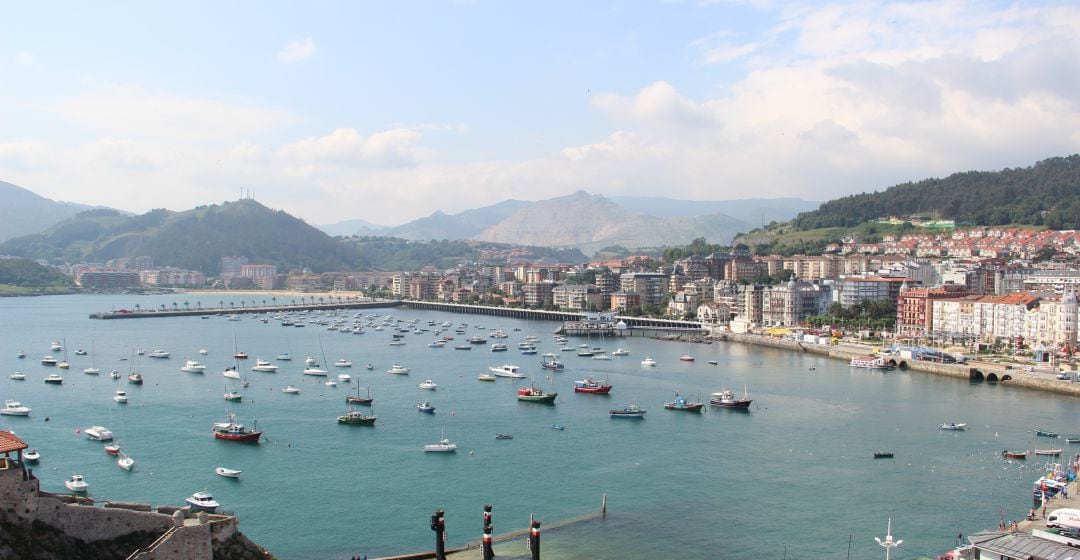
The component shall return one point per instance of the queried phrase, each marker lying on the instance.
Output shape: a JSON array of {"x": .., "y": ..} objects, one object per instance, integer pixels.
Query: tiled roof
[
  {"x": 10, "y": 442},
  {"x": 1021, "y": 545}
]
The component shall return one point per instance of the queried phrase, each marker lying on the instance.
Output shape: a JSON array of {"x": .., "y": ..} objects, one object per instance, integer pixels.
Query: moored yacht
[
  {"x": 192, "y": 366},
  {"x": 98, "y": 433},
  {"x": 444, "y": 446},
  {"x": 264, "y": 366},
  {"x": 507, "y": 370},
  {"x": 14, "y": 408},
  {"x": 398, "y": 369}
]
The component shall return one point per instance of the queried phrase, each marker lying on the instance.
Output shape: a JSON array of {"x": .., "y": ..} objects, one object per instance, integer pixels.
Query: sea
[{"x": 792, "y": 477}]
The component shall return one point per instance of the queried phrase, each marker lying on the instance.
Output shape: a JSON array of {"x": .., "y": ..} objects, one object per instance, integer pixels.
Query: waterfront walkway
[{"x": 350, "y": 303}]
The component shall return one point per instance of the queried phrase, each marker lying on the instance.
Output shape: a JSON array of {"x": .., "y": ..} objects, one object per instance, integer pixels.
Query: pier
[
  {"x": 574, "y": 323},
  {"x": 163, "y": 311}
]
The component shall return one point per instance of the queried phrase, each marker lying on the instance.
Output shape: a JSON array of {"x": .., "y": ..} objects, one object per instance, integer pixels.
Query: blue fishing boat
[
  {"x": 1045, "y": 433},
  {"x": 425, "y": 406}
]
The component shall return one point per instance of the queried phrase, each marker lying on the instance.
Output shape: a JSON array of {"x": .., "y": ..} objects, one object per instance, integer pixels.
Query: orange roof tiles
[{"x": 10, "y": 442}]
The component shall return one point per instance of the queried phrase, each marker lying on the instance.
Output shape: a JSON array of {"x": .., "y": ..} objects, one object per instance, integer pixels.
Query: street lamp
[{"x": 888, "y": 544}]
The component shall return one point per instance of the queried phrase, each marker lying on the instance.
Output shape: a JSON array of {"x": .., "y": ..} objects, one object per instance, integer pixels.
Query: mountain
[
  {"x": 23, "y": 212},
  {"x": 463, "y": 225},
  {"x": 352, "y": 227},
  {"x": 194, "y": 239},
  {"x": 763, "y": 210},
  {"x": 1047, "y": 193}
]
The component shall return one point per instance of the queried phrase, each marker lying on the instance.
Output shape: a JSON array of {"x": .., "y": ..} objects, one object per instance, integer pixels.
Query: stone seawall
[{"x": 965, "y": 372}]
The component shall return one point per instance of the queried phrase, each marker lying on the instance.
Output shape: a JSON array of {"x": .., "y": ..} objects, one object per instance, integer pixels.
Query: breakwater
[
  {"x": 574, "y": 318},
  {"x": 164, "y": 311}
]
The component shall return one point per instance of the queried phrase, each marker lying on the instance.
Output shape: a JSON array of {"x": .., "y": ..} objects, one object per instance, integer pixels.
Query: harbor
[{"x": 808, "y": 438}]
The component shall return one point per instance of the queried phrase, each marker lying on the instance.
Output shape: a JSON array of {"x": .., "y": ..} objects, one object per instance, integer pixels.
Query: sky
[{"x": 388, "y": 111}]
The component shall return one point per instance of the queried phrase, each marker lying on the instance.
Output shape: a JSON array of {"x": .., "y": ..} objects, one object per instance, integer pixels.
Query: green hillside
[{"x": 25, "y": 277}]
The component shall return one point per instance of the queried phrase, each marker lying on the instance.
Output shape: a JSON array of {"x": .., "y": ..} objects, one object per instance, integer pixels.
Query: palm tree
[
  {"x": 187, "y": 305},
  {"x": 273, "y": 299},
  {"x": 174, "y": 306},
  {"x": 221, "y": 304}
]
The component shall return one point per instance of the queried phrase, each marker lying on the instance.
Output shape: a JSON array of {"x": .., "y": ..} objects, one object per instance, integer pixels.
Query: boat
[
  {"x": 356, "y": 417},
  {"x": 120, "y": 397},
  {"x": 14, "y": 408},
  {"x": 1045, "y": 433},
  {"x": 344, "y": 378},
  {"x": 158, "y": 353},
  {"x": 135, "y": 378},
  {"x": 32, "y": 456},
  {"x": 234, "y": 431},
  {"x": 343, "y": 363},
  {"x": 477, "y": 340},
  {"x": 680, "y": 403},
  {"x": 80, "y": 352},
  {"x": 233, "y": 396},
  {"x": 1014, "y": 454},
  {"x": 77, "y": 484},
  {"x": 54, "y": 379},
  {"x": 463, "y": 347},
  {"x": 486, "y": 377},
  {"x": 358, "y": 399},
  {"x": 264, "y": 366},
  {"x": 648, "y": 362},
  {"x": 536, "y": 395},
  {"x": 48, "y": 361},
  {"x": 330, "y": 383},
  {"x": 498, "y": 347},
  {"x": 953, "y": 426},
  {"x": 620, "y": 352},
  {"x": 112, "y": 448},
  {"x": 727, "y": 399},
  {"x": 504, "y": 436},
  {"x": 714, "y": 362},
  {"x": 18, "y": 376},
  {"x": 202, "y": 501},
  {"x": 1072, "y": 439},
  {"x": 369, "y": 367},
  {"x": 283, "y": 357},
  {"x": 93, "y": 369},
  {"x": 506, "y": 370},
  {"x": 115, "y": 374},
  {"x": 883, "y": 454},
  {"x": 585, "y": 352},
  {"x": 231, "y": 372},
  {"x": 291, "y": 389},
  {"x": 227, "y": 473},
  {"x": 628, "y": 411},
  {"x": 192, "y": 366},
  {"x": 1051, "y": 452},
  {"x": 203, "y": 352},
  {"x": 20, "y": 354},
  {"x": 686, "y": 358},
  {"x": 551, "y": 361},
  {"x": 240, "y": 355},
  {"x": 55, "y": 346},
  {"x": 870, "y": 362},
  {"x": 398, "y": 369},
  {"x": 425, "y": 406},
  {"x": 559, "y": 427},
  {"x": 98, "y": 433},
  {"x": 444, "y": 446},
  {"x": 589, "y": 386},
  {"x": 315, "y": 370},
  {"x": 125, "y": 462},
  {"x": 428, "y": 384}
]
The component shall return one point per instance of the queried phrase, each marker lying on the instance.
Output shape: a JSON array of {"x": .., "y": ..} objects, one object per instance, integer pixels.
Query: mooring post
[
  {"x": 603, "y": 505},
  {"x": 438, "y": 524},
  {"x": 487, "y": 552},
  {"x": 534, "y": 540}
]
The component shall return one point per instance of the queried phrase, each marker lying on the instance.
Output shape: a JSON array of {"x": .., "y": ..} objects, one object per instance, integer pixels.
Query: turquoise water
[{"x": 792, "y": 477}]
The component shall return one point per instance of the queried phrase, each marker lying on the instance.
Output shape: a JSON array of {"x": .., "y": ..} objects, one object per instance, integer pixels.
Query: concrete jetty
[{"x": 164, "y": 311}]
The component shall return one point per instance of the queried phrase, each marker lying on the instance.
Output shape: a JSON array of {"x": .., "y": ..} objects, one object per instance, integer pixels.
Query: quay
[
  {"x": 163, "y": 311},
  {"x": 574, "y": 323}
]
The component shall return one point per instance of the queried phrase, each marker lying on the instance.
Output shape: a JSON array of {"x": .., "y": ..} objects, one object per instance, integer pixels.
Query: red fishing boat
[
  {"x": 232, "y": 431},
  {"x": 589, "y": 386}
]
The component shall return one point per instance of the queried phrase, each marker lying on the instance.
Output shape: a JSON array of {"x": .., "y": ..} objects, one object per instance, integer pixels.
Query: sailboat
[
  {"x": 314, "y": 368},
  {"x": 236, "y": 353},
  {"x": 123, "y": 460},
  {"x": 93, "y": 369},
  {"x": 63, "y": 364},
  {"x": 233, "y": 371},
  {"x": 134, "y": 377},
  {"x": 360, "y": 399}
]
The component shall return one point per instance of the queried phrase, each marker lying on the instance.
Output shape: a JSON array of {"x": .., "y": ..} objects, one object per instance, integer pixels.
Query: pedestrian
[
  {"x": 1065, "y": 491},
  {"x": 1044, "y": 511},
  {"x": 1014, "y": 527}
]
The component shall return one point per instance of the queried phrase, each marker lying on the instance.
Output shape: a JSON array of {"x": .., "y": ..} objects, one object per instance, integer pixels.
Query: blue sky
[{"x": 389, "y": 111}]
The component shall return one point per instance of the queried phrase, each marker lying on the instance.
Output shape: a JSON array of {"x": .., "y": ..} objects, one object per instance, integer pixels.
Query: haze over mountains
[{"x": 23, "y": 212}]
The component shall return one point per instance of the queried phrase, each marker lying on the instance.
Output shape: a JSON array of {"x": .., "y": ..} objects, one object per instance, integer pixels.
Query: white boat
[
  {"x": 398, "y": 369},
  {"x": 227, "y": 473},
  {"x": 507, "y": 370},
  {"x": 315, "y": 370},
  {"x": 203, "y": 352},
  {"x": 231, "y": 372},
  {"x": 77, "y": 484},
  {"x": 14, "y": 408},
  {"x": 120, "y": 397},
  {"x": 18, "y": 376},
  {"x": 48, "y": 361},
  {"x": 20, "y": 354},
  {"x": 158, "y": 353},
  {"x": 125, "y": 462},
  {"x": 54, "y": 378},
  {"x": 330, "y": 383},
  {"x": 115, "y": 374},
  {"x": 620, "y": 352},
  {"x": 98, "y": 433},
  {"x": 601, "y": 356},
  {"x": 233, "y": 396},
  {"x": 193, "y": 366},
  {"x": 428, "y": 384},
  {"x": 444, "y": 446},
  {"x": 264, "y": 366},
  {"x": 343, "y": 363},
  {"x": 55, "y": 346},
  {"x": 648, "y": 362},
  {"x": 284, "y": 357},
  {"x": 955, "y": 426},
  {"x": 32, "y": 456},
  {"x": 93, "y": 369},
  {"x": 291, "y": 389},
  {"x": 202, "y": 501},
  {"x": 344, "y": 378},
  {"x": 870, "y": 362},
  {"x": 309, "y": 361}
]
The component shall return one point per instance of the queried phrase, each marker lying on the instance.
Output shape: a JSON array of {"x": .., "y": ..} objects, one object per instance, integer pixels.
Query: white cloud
[
  {"x": 296, "y": 51},
  {"x": 24, "y": 58},
  {"x": 346, "y": 147}
]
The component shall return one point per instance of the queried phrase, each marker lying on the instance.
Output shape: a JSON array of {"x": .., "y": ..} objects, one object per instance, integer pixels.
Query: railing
[{"x": 153, "y": 546}]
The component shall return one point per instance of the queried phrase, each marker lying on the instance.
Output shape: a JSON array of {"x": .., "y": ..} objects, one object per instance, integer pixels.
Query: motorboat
[
  {"x": 231, "y": 372},
  {"x": 477, "y": 340},
  {"x": 628, "y": 411},
  {"x": 135, "y": 378},
  {"x": 291, "y": 389},
  {"x": 870, "y": 362},
  {"x": 158, "y": 353},
  {"x": 343, "y": 363},
  {"x": 498, "y": 347},
  {"x": 55, "y": 346},
  {"x": 398, "y": 369},
  {"x": 233, "y": 396},
  {"x": 953, "y": 426},
  {"x": 589, "y": 386},
  {"x": 283, "y": 357},
  {"x": 120, "y": 397},
  {"x": 686, "y": 358},
  {"x": 18, "y": 376},
  {"x": 32, "y": 456},
  {"x": 202, "y": 501},
  {"x": 507, "y": 370},
  {"x": 1014, "y": 454},
  {"x": 536, "y": 395},
  {"x": 559, "y": 427},
  {"x": 234, "y": 431},
  {"x": 48, "y": 361},
  {"x": 330, "y": 383},
  {"x": 113, "y": 448},
  {"x": 601, "y": 356},
  {"x": 486, "y": 377},
  {"x": 14, "y": 408},
  {"x": 727, "y": 399},
  {"x": 20, "y": 354},
  {"x": 98, "y": 433},
  {"x": 264, "y": 366},
  {"x": 1044, "y": 433},
  {"x": 115, "y": 374},
  {"x": 77, "y": 484},
  {"x": 883, "y": 454},
  {"x": 240, "y": 356},
  {"x": 425, "y": 406},
  {"x": 504, "y": 436},
  {"x": 227, "y": 473},
  {"x": 203, "y": 352},
  {"x": 369, "y": 367},
  {"x": 620, "y": 352},
  {"x": 356, "y": 417},
  {"x": 681, "y": 403},
  {"x": 54, "y": 379},
  {"x": 428, "y": 384},
  {"x": 444, "y": 446},
  {"x": 125, "y": 462},
  {"x": 192, "y": 366},
  {"x": 80, "y": 352},
  {"x": 462, "y": 347},
  {"x": 1050, "y": 452},
  {"x": 344, "y": 378},
  {"x": 648, "y": 362}
]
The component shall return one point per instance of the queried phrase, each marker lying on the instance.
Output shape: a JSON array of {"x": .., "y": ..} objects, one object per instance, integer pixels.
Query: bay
[{"x": 793, "y": 477}]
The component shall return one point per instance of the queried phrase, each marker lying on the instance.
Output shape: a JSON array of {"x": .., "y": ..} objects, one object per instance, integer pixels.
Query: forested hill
[{"x": 1045, "y": 194}]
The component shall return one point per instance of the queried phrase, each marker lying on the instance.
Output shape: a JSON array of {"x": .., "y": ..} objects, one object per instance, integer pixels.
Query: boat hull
[
  {"x": 249, "y": 437},
  {"x": 691, "y": 407},
  {"x": 548, "y": 398}
]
